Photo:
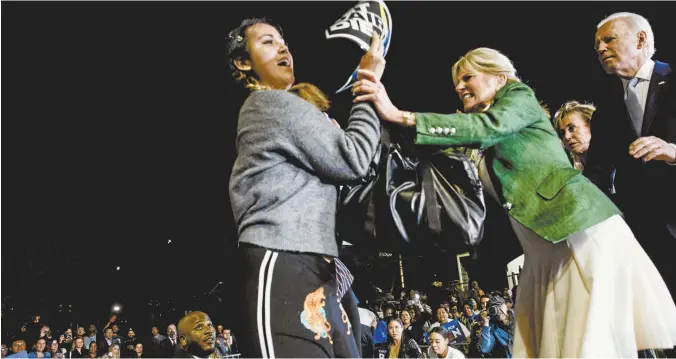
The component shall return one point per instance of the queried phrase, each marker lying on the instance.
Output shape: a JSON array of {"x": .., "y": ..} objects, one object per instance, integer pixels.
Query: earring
[{"x": 235, "y": 37}]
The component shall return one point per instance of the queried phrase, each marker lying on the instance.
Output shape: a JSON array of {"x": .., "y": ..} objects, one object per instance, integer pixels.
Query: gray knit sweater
[{"x": 290, "y": 159}]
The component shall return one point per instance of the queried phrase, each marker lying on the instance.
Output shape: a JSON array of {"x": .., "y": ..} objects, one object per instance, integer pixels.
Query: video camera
[{"x": 493, "y": 307}]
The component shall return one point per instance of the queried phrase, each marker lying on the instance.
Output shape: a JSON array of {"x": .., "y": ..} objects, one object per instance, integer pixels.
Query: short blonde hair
[
  {"x": 586, "y": 110},
  {"x": 635, "y": 23},
  {"x": 487, "y": 61}
]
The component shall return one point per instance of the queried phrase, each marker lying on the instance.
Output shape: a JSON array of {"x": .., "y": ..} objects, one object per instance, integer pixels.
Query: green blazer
[{"x": 528, "y": 165}]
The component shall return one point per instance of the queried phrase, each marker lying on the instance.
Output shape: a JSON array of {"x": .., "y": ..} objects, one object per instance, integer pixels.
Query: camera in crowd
[{"x": 494, "y": 307}]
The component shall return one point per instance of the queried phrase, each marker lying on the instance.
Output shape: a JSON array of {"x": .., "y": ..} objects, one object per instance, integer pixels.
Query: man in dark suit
[
  {"x": 171, "y": 342},
  {"x": 634, "y": 133},
  {"x": 104, "y": 343}
]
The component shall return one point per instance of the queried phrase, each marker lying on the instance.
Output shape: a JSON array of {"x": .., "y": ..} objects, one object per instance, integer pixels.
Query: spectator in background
[
  {"x": 113, "y": 351},
  {"x": 221, "y": 348},
  {"x": 368, "y": 321},
  {"x": 230, "y": 341},
  {"x": 18, "y": 349},
  {"x": 66, "y": 339},
  {"x": 129, "y": 346},
  {"x": 455, "y": 313},
  {"x": 440, "y": 346},
  {"x": 484, "y": 301},
  {"x": 81, "y": 332},
  {"x": 398, "y": 344},
  {"x": 412, "y": 329},
  {"x": 105, "y": 342},
  {"x": 93, "y": 351},
  {"x": 40, "y": 347},
  {"x": 78, "y": 349},
  {"x": 32, "y": 330},
  {"x": 156, "y": 346},
  {"x": 4, "y": 350},
  {"x": 45, "y": 333},
  {"x": 497, "y": 334},
  {"x": 92, "y": 335},
  {"x": 54, "y": 348},
  {"x": 172, "y": 336},
  {"x": 116, "y": 335},
  {"x": 110, "y": 322},
  {"x": 468, "y": 315},
  {"x": 138, "y": 351}
]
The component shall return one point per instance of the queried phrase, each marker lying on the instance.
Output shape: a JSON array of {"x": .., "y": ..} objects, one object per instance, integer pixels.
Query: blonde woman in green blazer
[{"x": 587, "y": 288}]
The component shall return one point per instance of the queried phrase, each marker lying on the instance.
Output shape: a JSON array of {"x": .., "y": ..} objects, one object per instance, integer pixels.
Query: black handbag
[{"x": 414, "y": 202}]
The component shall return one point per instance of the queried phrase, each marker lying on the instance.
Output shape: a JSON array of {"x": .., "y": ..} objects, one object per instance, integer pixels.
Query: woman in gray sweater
[{"x": 283, "y": 192}]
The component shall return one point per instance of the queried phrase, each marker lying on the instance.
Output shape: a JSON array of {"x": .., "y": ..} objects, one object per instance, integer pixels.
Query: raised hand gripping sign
[{"x": 358, "y": 24}]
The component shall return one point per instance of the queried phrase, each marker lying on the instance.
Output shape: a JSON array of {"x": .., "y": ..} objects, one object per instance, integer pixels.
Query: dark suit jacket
[
  {"x": 168, "y": 348},
  {"x": 181, "y": 353},
  {"x": 645, "y": 191},
  {"x": 75, "y": 354},
  {"x": 102, "y": 346}
]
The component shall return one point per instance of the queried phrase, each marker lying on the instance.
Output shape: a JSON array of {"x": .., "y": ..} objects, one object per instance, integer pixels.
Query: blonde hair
[
  {"x": 492, "y": 62},
  {"x": 586, "y": 110},
  {"x": 636, "y": 23},
  {"x": 487, "y": 61}
]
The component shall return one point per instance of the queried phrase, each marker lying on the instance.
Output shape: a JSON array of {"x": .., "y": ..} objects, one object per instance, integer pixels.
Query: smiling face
[
  {"x": 619, "y": 49},
  {"x": 269, "y": 57},
  {"x": 40, "y": 345},
  {"x": 477, "y": 89},
  {"x": 442, "y": 315}
]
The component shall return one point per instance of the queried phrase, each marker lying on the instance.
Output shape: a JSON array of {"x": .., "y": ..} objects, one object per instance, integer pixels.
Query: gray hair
[{"x": 635, "y": 23}]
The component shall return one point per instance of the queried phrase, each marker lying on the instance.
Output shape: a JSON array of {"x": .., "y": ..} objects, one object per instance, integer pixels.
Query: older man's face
[
  {"x": 171, "y": 331},
  {"x": 619, "y": 49}
]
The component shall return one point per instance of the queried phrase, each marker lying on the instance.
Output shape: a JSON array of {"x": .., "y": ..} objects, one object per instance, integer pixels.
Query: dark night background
[{"x": 119, "y": 122}]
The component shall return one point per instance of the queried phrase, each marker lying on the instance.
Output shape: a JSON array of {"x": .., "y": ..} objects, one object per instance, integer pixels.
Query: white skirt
[{"x": 596, "y": 294}]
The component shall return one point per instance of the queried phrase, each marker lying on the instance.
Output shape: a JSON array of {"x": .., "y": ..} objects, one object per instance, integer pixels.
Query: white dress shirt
[{"x": 645, "y": 73}]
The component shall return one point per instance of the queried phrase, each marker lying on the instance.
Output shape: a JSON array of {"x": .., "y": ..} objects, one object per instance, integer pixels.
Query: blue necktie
[{"x": 634, "y": 104}]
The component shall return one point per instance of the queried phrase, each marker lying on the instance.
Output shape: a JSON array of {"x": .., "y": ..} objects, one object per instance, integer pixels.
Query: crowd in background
[{"x": 39, "y": 340}]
